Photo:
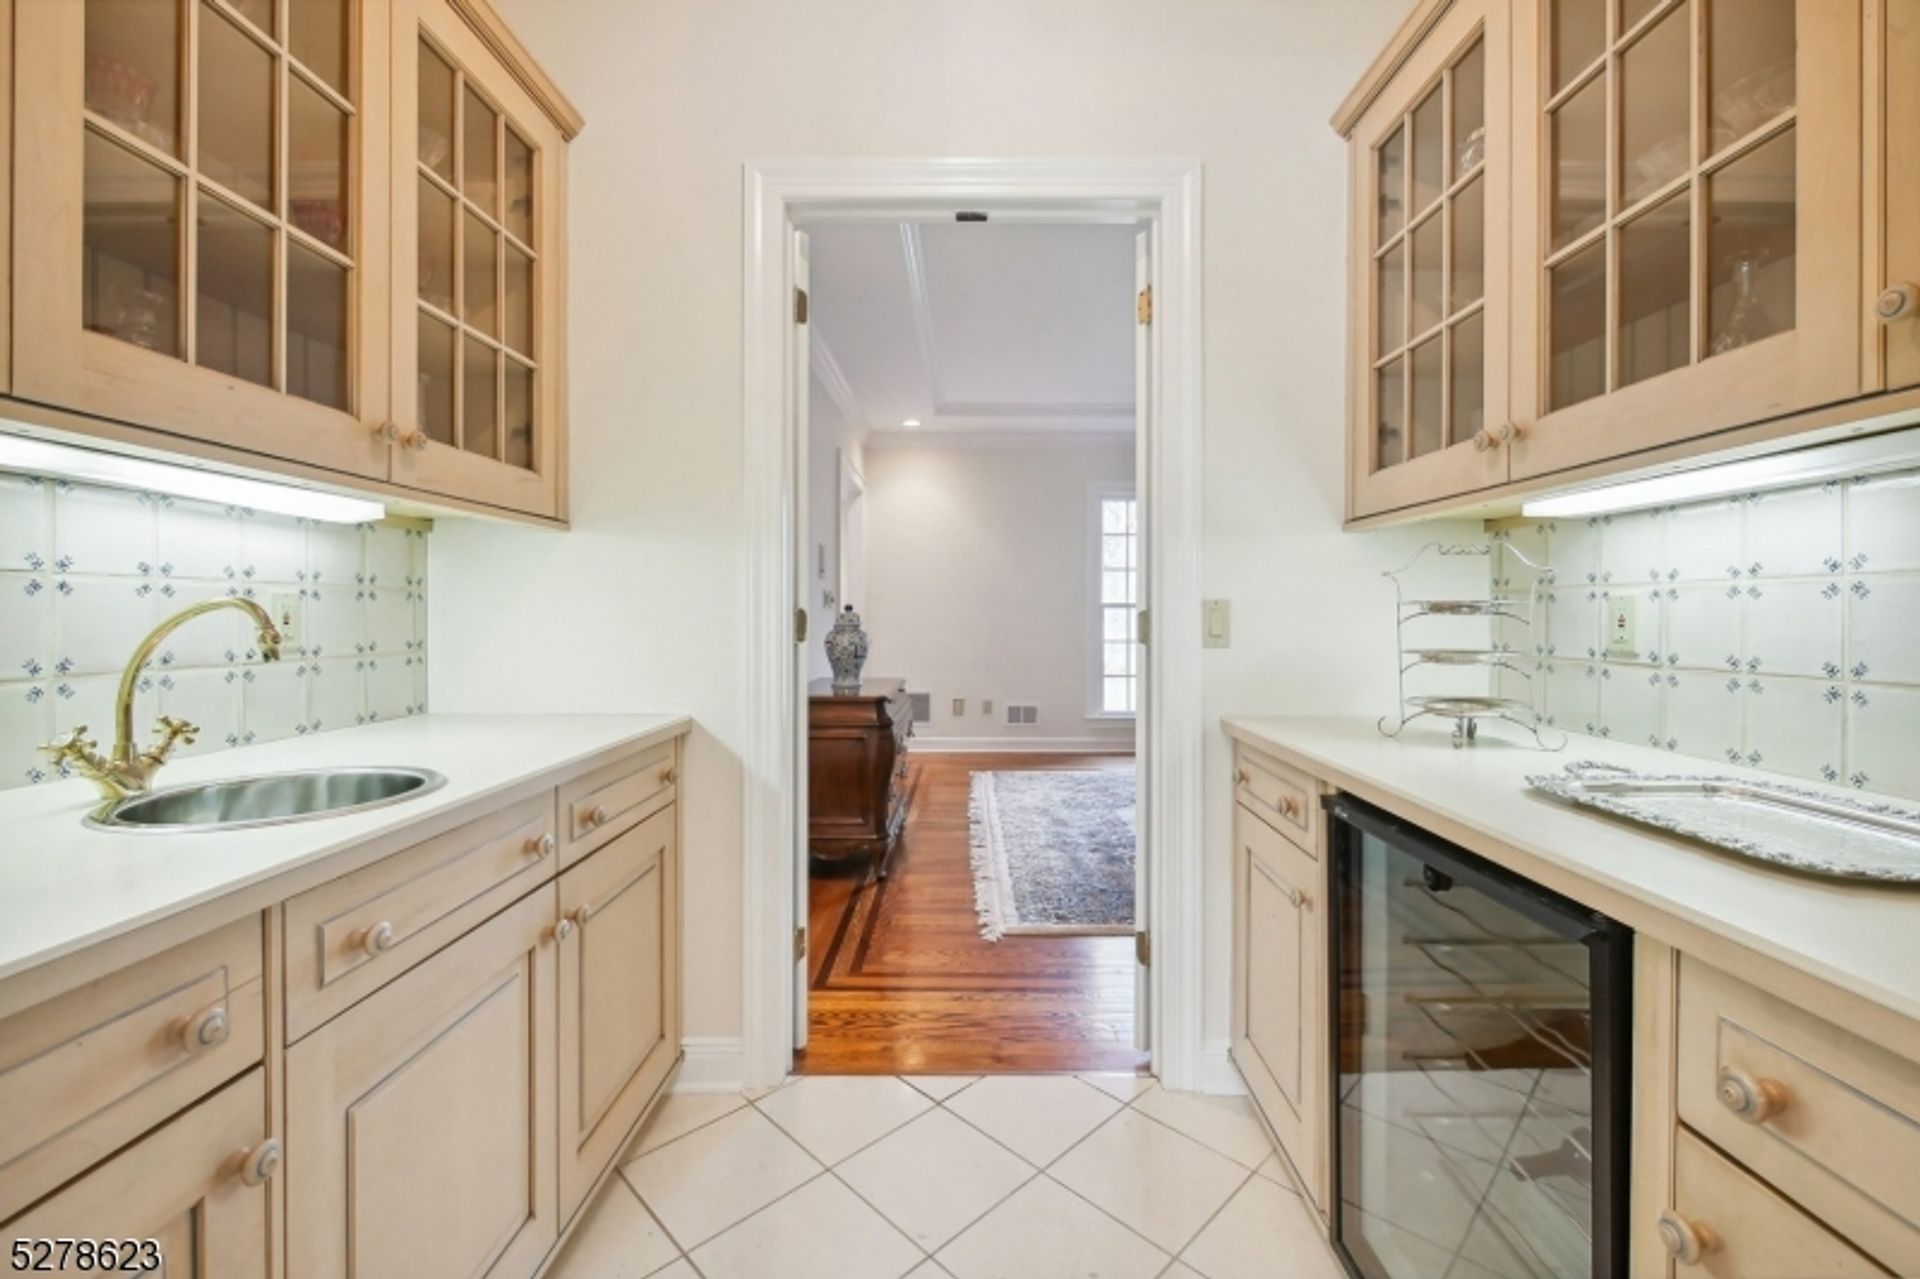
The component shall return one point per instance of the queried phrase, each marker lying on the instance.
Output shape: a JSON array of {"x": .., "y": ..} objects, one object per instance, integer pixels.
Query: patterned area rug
[{"x": 1053, "y": 851}]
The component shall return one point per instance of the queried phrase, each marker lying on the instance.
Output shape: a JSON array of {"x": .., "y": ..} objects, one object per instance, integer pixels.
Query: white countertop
[
  {"x": 65, "y": 886},
  {"x": 1862, "y": 938}
]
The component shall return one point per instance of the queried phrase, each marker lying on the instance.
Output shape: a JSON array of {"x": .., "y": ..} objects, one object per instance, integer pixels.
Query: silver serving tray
[
  {"x": 1835, "y": 836},
  {"x": 1466, "y": 707},
  {"x": 1459, "y": 656},
  {"x": 1464, "y": 608}
]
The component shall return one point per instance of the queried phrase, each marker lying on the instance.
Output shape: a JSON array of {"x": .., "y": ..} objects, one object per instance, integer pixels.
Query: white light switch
[{"x": 1216, "y": 623}]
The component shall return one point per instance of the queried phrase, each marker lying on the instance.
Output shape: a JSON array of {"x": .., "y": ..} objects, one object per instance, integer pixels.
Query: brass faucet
[{"x": 124, "y": 773}]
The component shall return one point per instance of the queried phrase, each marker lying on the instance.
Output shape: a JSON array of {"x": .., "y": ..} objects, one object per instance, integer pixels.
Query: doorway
[{"x": 783, "y": 202}]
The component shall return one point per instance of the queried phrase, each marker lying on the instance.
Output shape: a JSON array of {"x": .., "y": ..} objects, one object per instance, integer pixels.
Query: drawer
[
  {"x": 1829, "y": 1118},
  {"x": 352, "y": 935},
  {"x": 85, "y": 1073},
  {"x": 607, "y": 801},
  {"x": 1725, "y": 1223},
  {"x": 1284, "y": 796}
]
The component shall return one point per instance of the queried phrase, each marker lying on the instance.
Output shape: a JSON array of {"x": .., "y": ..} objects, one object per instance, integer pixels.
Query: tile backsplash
[
  {"x": 87, "y": 571},
  {"x": 1778, "y": 630}
]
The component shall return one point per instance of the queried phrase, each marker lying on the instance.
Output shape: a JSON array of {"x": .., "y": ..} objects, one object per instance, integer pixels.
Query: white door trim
[{"x": 781, "y": 194}]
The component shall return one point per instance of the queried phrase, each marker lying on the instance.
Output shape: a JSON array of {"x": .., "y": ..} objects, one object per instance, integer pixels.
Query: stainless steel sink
[{"x": 268, "y": 800}]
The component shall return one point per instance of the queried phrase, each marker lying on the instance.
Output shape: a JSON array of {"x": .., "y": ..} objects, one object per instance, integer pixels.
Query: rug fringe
[{"x": 986, "y": 883}]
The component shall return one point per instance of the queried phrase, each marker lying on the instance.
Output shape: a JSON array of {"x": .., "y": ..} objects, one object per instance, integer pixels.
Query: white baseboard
[
  {"x": 712, "y": 1064},
  {"x": 1218, "y": 1074},
  {"x": 1021, "y": 745}
]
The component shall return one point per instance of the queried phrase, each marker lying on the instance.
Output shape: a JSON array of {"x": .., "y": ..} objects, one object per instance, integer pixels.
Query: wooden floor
[{"x": 903, "y": 983}]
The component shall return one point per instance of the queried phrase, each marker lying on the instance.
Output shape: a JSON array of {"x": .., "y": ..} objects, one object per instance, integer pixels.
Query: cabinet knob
[
  {"x": 596, "y": 817},
  {"x": 1290, "y": 807},
  {"x": 418, "y": 441},
  {"x": 1684, "y": 1241},
  {"x": 378, "y": 940},
  {"x": 563, "y": 929},
  {"x": 583, "y": 913},
  {"x": 666, "y": 777},
  {"x": 206, "y": 1029},
  {"x": 387, "y": 432},
  {"x": 1239, "y": 777},
  {"x": 1752, "y": 1100},
  {"x": 1482, "y": 440},
  {"x": 1506, "y": 432},
  {"x": 540, "y": 845},
  {"x": 1897, "y": 302},
  {"x": 257, "y": 1166}
]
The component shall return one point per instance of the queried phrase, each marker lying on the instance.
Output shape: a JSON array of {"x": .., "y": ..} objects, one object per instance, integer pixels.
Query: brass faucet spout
[{"x": 269, "y": 637}]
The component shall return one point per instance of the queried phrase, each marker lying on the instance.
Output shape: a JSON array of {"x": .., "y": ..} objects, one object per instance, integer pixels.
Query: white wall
[
  {"x": 978, "y": 581},
  {"x": 640, "y": 606},
  {"x": 829, "y": 437}
]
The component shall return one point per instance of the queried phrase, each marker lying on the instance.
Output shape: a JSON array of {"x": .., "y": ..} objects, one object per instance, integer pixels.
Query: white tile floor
[{"x": 1006, "y": 1177}]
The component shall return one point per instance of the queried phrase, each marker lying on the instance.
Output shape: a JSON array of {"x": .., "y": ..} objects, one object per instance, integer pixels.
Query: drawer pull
[
  {"x": 206, "y": 1029},
  {"x": 257, "y": 1166},
  {"x": 563, "y": 929},
  {"x": 1752, "y": 1100},
  {"x": 1290, "y": 807},
  {"x": 583, "y": 913},
  {"x": 540, "y": 845},
  {"x": 1240, "y": 777},
  {"x": 378, "y": 940},
  {"x": 1684, "y": 1241},
  {"x": 595, "y": 817},
  {"x": 666, "y": 777}
]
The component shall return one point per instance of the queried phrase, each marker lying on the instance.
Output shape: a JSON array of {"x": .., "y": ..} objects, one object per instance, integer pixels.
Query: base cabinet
[
  {"x": 196, "y": 1187},
  {"x": 619, "y": 996},
  {"x": 420, "y": 1121}
]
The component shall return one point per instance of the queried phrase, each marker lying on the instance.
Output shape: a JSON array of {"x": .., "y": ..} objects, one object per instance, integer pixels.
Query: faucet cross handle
[
  {"x": 76, "y": 745},
  {"x": 173, "y": 730}
]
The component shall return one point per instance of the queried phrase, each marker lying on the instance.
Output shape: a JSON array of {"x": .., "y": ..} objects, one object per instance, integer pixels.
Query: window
[{"x": 1116, "y": 598}]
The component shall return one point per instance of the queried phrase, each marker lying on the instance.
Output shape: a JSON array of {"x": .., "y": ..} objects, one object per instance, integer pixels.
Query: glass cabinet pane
[
  {"x": 1391, "y": 175},
  {"x": 479, "y": 410},
  {"x": 480, "y": 304},
  {"x": 131, "y": 248},
  {"x": 1656, "y": 81},
  {"x": 1428, "y": 429},
  {"x": 1579, "y": 195},
  {"x": 1579, "y": 35},
  {"x": 436, "y": 112},
  {"x": 480, "y": 182},
  {"x": 519, "y": 301},
  {"x": 233, "y": 331},
  {"x": 436, "y": 245},
  {"x": 519, "y": 182},
  {"x": 1577, "y": 327},
  {"x": 1656, "y": 331},
  {"x": 1750, "y": 68},
  {"x": 1750, "y": 246},
  {"x": 1470, "y": 110},
  {"x": 1468, "y": 281},
  {"x": 517, "y": 418},
  {"x": 436, "y": 379},
  {"x": 133, "y": 68},
  {"x": 316, "y": 328},
  {"x": 1429, "y": 151},
  {"x": 1428, "y": 252},
  {"x": 1631, "y": 11},
  {"x": 1390, "y": 412},
  {"x": 1467, "y": 379},
  {"x": 1391, "y": 300},
  {"x": 317, "y": 36},
  {"x": 258, "y": 12},
  {"x": 235, "y": 107},
  {"x": 316, "y": 164}
]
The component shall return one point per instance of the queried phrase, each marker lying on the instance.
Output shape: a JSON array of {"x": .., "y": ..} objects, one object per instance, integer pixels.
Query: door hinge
[
  {"x": 1143, "y": 305},
  {"x": 1143, "y": 626},
  {"x": 799, "y": 305},
  {"x": 799, "y": 944},
  {"x": 799, "y": 625},
  {"x": 1143, "y": 949}
]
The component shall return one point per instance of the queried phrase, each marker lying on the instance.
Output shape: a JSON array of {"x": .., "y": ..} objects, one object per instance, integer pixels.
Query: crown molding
[
  {"x": 1001, "y": 439},
  {"x": 833, "y": 380}
]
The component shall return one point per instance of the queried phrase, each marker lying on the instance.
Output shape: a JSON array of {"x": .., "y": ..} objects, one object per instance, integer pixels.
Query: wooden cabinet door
[
  {"x": 1687, "y": 223},
  {"x": 478, "y": 268},
  {"x": 1279, "y": 992},
  {"x": 1899, "y": 308},
  {"x": 423, "y": 1119},
  {"x": 202, "y": 202},
  {"x": 619, "y": 995},
  {"x": 196, "y": 1187},
  {"x": 1430, "y": 166}
]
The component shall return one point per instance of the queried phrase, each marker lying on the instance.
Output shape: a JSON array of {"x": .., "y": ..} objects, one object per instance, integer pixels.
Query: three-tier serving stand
[{"x": 1467, "y": 711}]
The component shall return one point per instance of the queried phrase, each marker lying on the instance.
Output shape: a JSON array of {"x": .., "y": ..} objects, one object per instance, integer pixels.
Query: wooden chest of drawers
[{"x": 857, "y": 769}]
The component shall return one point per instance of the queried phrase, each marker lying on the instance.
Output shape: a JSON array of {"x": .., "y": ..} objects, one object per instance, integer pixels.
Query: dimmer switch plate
[{"x": 1623, "y": 631}]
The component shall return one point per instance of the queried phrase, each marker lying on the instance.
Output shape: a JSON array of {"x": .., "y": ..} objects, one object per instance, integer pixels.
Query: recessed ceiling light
[
  {"x": 41, "y": 457},
  {"x": 911, "y": 422}
]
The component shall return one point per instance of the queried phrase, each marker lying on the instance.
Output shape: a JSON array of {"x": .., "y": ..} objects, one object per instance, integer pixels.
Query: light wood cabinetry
[
  {"x": 197, "y": 1187},
  {"x": 1679, "y": 199},
  {"x": 619, "y": 995},
  {"x": 255, "y": 231},
  {"x": 1729, "y": 1225}
]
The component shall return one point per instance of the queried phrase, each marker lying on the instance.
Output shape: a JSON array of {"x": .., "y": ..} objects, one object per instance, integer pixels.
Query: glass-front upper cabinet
[
  {"x": 1897, "y": 305},
  {"x": 1688, "y": 234},
  {"x": 1430, "y": 159},
  {"x": 478, "y": 270},
  {"x": 197, "y": 206}
]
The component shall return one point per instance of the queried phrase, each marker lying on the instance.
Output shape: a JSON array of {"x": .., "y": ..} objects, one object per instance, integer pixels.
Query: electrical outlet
[
  {"x": 986, "y": 707},
  {"x": 284, "y": 608},
  {"x": 959, "y": 706},
  {"x": 1623, "y": 631}
]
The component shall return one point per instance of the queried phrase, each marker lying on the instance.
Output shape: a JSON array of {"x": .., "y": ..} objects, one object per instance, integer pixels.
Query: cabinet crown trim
[
  {"x": 1411, "y": 31},
  {"x": 506, "y": 46}
]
